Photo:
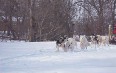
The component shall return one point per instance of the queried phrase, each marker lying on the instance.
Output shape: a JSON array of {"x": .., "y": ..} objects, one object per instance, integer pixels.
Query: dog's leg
[{"x": 57, "y": 46}]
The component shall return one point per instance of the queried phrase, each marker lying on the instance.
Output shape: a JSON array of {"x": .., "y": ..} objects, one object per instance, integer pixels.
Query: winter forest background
[{"x": 39, "y": 20}]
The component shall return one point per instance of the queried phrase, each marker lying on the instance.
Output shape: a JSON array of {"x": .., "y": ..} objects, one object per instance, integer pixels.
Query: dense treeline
[{"x": 38, "y": 20}]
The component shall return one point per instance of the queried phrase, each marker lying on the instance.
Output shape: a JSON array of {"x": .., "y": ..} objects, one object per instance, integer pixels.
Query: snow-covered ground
[{"x": 41, "y": 57}]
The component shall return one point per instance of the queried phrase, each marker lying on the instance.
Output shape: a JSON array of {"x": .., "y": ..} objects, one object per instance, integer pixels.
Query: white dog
[{"x": 84, "y": 43}]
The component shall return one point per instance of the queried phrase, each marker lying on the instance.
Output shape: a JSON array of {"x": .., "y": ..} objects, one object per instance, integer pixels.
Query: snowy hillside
[{"x": 41, "y": 57}]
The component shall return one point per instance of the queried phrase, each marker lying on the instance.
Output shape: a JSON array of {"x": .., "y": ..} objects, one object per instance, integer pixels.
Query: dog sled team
[{"x": 67, "y": 43}]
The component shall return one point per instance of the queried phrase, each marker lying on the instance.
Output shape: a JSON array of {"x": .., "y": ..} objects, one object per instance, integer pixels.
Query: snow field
[{"x": 41, "y": 57}]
